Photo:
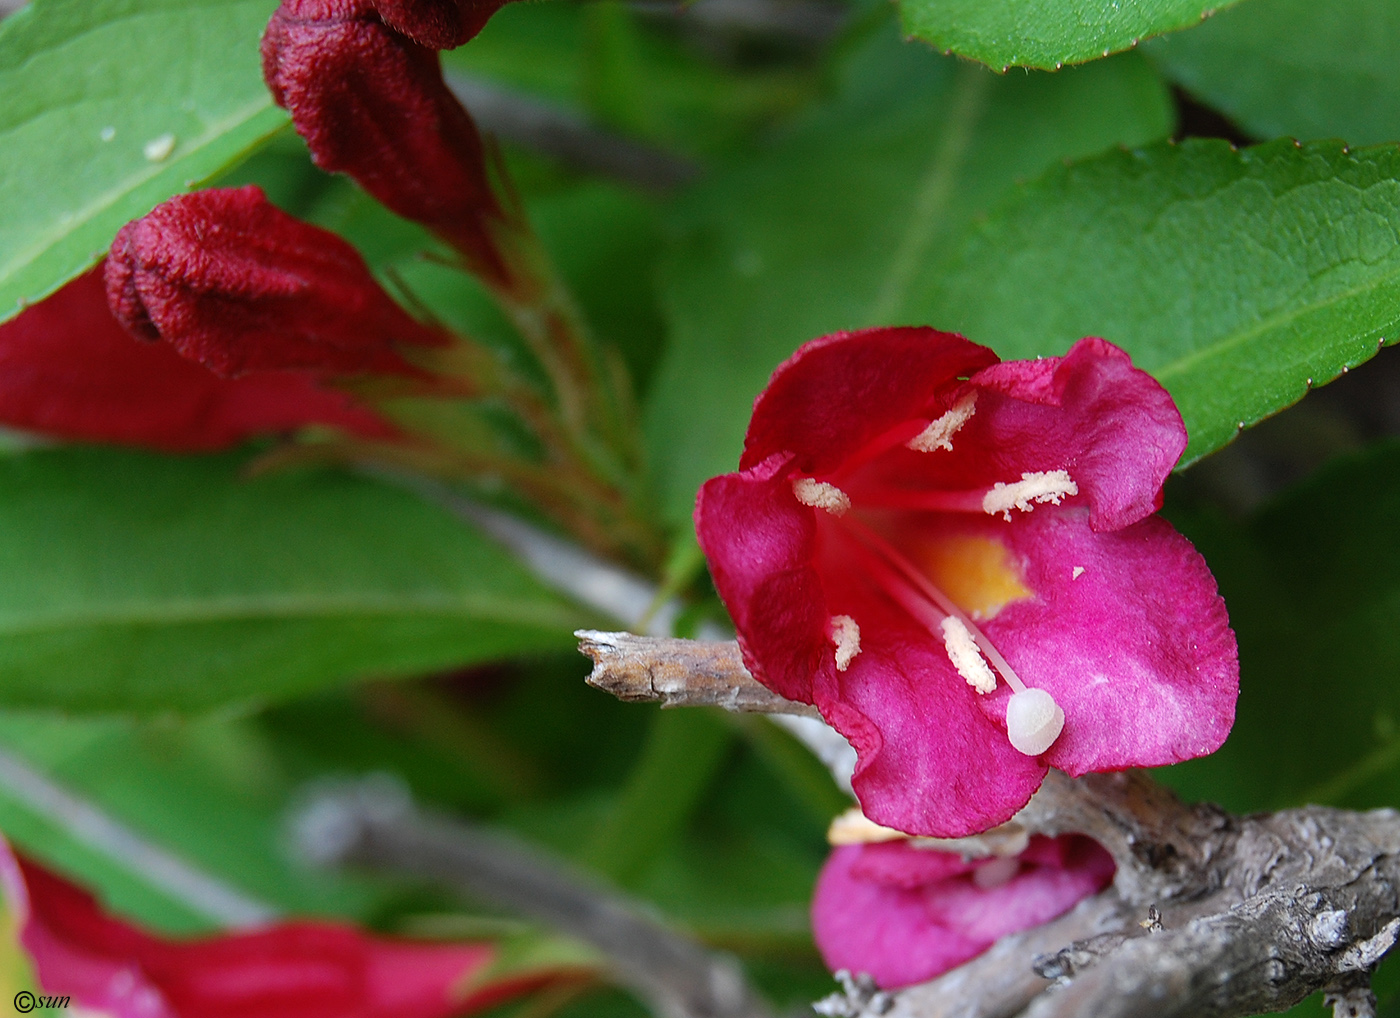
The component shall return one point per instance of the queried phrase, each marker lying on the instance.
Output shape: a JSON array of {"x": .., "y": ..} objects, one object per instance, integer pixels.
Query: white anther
[
  {"x": 1046, "y": 486},
  {"x": 855, "y": 828},
  {"x": 1076, "y": 572},
  {"x": 939, "y": 434},
  {"x": 1033, "y": 721},
  {"x": 966, "y": 658},
  {"x": 845, "y": 634},
  {"x": 996, "y": 873},
  {"x": 821, "y": 495}
]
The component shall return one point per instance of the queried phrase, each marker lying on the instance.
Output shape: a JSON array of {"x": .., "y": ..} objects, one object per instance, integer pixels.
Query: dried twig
[
  {"x": 1210, "y": 914},
  {"x": 374, "y": 824}
]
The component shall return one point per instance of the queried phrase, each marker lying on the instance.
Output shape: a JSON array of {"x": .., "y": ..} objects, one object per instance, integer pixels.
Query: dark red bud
[
  {"x": 68, "y": 369},
  {"x": 372, "y": 103},
  {"x": 231, "y": 281},
  {"x": 438, "y": 24}
]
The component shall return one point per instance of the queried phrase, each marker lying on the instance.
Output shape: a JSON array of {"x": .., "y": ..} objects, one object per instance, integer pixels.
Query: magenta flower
[
  {"x": 905, "y": 914},
  {"x": 299, "y": 969},
  {"x": 956, "y": 561}
]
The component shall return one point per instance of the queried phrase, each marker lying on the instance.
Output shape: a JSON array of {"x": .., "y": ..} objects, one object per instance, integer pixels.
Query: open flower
[
  {"x": 905, "y": 914},
  {"x": 956, "y": 561},
  {"x": 300, "y": 969}
]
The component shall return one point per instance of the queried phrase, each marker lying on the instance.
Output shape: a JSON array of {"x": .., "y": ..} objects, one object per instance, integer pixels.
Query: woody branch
[{"x": 1210, "y": 914}]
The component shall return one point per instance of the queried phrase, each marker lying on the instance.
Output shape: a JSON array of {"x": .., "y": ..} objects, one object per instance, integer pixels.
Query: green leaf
[
  {"x": 1045, "y": 33},
  {"x": 1313, "y": 587},
  {"x": 1238, "y": 278},
  {"x": 1294, "y": 67},
  {"x": 840, "y": 224},
  {"x": 145, "y": 583},
  {"x": 111, "y": 106}
]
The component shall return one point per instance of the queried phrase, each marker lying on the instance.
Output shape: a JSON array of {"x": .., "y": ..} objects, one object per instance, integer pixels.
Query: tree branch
[
  {"x": 1210, "y": 915},
  {"x": 374, "y": 824}
]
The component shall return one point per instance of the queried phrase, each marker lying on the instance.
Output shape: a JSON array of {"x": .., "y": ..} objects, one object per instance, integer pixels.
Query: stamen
[
  {"x": 939, "y": 434},
  {"x": 1033, "y": 721},
  {"x": 821, "y": 495},
  {"x": 962, "y": 651},
  {"x": 1045, "y": 486},
  {"x": 845, "y": 634}
]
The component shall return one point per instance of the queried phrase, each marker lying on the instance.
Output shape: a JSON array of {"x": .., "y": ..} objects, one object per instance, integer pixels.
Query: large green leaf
[
  {"x": 1296, "y": 67},
  {"x": 140, "y": 582},
  {"x": 1313, "y": 586},
  {"x": 110, "y": 107},
  {"x": 1238, "y": 278},
  {"x": 840, "y": 224},
  {"x": 1045, "y": 33}
]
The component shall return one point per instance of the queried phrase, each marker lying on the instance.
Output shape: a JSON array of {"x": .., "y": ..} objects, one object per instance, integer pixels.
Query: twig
[
  {"x": 374, "y": 824},
  {"x": 564, "y": 135},
  {"x": 1210, "y": 914}
]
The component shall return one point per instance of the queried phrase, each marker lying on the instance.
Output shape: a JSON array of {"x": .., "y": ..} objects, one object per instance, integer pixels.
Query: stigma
[{"x": 1043, "y": 486}]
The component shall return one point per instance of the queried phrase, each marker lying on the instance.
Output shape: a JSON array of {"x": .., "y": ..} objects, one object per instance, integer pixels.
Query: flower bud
[
  {"x": 437, "y": 24},
  {"x": 234, "y": 283},
  {"x": 372, "y": 103}
]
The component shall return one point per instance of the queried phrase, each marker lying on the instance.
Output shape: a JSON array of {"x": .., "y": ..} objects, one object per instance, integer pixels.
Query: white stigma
[
  {"x": 966, "y": 658},
  {"x": 820, "y": 495},
  {"x": 1033, "y": 721},
  {"x": 1044, "y": 486},
  {"x": 845, "y": 634},
  {"x": 939, "y": 434}
]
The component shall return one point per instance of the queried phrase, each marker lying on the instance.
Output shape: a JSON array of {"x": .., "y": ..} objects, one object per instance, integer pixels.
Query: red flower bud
[
  {"x": 233, "y": 282},
  {"x": 372, "y": 103},
  {"x": 438, "y": 24},
  {"x": 68, "y": 369}
]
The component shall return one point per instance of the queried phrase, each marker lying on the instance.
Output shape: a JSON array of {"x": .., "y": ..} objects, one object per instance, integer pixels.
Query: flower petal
[
  {"x": 839, "y": 392},
  {"x": 1129, "y": 635},
  {"x": 1112, "y": 425},
  {"x": 761, "y": 543}
]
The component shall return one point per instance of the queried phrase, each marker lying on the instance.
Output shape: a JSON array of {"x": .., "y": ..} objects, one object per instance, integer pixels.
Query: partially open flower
[
  {"x": 299, "y": 969},
  {"x": 231, "y": 281},
  {"x": 905, "y": 914},
  {"x": 372, "y": 103},
  {"x": 956, "y": 560},
  {"x": 69, "y": 370}
]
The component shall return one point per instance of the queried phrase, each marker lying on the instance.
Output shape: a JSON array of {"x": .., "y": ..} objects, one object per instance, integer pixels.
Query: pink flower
[
  {"x": 233, "y": 282},
  {"x": 905, "y": 914},
  {"x": 290, "y": 970},
  {"x": 956, "y": 561},
  {"x": 69, "y": 370}
]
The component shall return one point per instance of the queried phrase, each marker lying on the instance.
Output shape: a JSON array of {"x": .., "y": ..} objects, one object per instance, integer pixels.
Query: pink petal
[
  {"x": 1137, "y": 649},
  {"x": 839, "y": 392}
]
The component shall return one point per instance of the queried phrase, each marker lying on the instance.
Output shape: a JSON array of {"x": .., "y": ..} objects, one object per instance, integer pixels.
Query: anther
[
  {"x": 966, "y": 658},
  {"x": 1033, "y": 721},
  {"x": 821, "y": 495},
  {"x": 1044, "y": 486},
  {"x": 939, "y": 434},
  {"x": 845, "y": 634}
]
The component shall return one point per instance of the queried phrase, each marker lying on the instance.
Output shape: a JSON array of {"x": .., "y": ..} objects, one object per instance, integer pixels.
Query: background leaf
[
  {"x": 1238, "y": 278},
  {"x": 150, "y": 583},
  {"x": 111, "y": 106},
  {"x": 838, "y": 225},
  {"x": 1044, "y": 33},
  {"x": 1291, "y": 67}
]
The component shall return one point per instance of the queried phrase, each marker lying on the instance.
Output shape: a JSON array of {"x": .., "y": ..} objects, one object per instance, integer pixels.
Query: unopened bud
[
  {"x": 232, "y": 282},
  {"x": 437, "y": 24},
  {"x": 372, "y": 103}
]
